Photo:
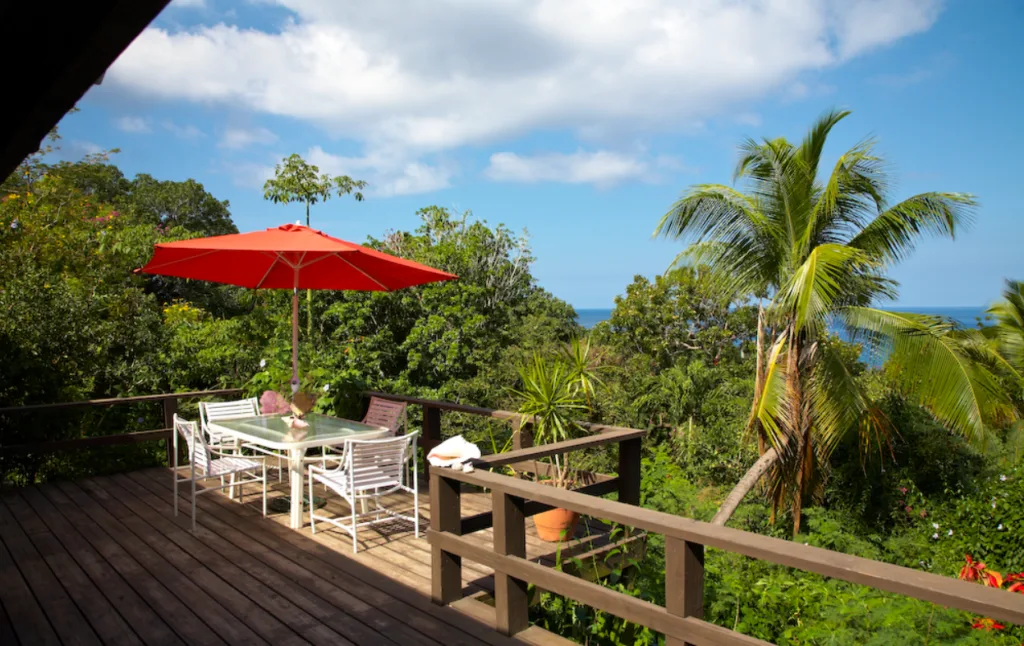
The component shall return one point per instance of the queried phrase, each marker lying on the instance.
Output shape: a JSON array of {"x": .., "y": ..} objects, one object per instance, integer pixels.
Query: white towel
[{"x": 453, "y": 452}]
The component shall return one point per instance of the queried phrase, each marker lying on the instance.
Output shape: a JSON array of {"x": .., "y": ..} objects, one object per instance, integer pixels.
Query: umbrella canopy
[{"x": 289, "y": 257}]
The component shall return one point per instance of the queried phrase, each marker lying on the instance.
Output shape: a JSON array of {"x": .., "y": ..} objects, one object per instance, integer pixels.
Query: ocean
[{"x": 966, "y": 316}]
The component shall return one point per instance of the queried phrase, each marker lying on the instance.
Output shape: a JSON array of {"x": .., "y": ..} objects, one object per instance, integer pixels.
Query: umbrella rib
[
  {"x": 171, "y": 262},
  {"x": 344, "y": 260},
  {"x": 277, "y": 257}
]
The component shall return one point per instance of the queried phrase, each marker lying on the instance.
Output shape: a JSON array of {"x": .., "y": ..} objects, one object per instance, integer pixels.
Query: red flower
[
  {"x": 987, "y": 624},
  {"x": 1016, "y": 582},
  {"x": 972, "y": 570}
]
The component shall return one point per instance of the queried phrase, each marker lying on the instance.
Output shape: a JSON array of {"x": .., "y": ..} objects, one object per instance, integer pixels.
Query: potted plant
[{"x": 554, "y": 394}]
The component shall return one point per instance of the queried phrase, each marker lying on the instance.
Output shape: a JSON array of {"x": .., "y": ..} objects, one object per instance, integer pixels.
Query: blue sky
[{"x": 578, "y": 120}]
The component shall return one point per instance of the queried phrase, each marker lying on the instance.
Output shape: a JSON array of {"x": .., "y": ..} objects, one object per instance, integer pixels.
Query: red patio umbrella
[{"x": 289, "y": 257}]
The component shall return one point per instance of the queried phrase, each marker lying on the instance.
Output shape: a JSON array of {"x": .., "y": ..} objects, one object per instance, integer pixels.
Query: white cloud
[
  {"x": 137, "y": 125},
  {"x": 243, "y": 137},
  {"x": 386, "y": 173},
  {"x": 188, "y": 4},
  {"x": 601, "y": 167},
  {"x": 433, "y": 76},
  {"x": 187, "y": 131}
]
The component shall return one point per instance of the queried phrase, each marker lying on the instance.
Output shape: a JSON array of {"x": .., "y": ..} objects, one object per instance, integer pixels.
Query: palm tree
[{"x": 818, "y": 249}]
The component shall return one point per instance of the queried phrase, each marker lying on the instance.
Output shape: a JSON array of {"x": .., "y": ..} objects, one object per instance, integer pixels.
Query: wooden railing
[
  {"x": 525, "y": 457},
  {"x": 169, "y": 403},
  {"x": 681, "y": 620}
]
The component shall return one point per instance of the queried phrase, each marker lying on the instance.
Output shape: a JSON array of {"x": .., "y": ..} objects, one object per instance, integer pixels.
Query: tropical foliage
[
  {"x": 817, "y": 247},
  {"x": 741, "y": 337}
]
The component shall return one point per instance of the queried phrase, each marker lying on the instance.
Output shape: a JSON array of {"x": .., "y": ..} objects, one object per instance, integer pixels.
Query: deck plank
[
  {"x": 7, "y": 635},
  {"x": 247, "y": 554},
  {"x": 146, "y": 623},
  {"x": 175, "y": 613},
  {"x": 223, "y": 514},
  {"x": 33, "y": 627},
  {"x": 386, "y": 592},
  {"x": 189, "y": 582},
  {"x": 105, "y": 620},
  {"x": 65, "y": 617},
  {"x": 105, "y": 560},
  {"x": 261, "y": 607}
]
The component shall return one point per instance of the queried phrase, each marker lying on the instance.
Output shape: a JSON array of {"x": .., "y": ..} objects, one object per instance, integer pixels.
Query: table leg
[{"x": 295, "y": 465}]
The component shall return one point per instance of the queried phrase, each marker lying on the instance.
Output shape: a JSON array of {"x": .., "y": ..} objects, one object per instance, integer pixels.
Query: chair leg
[
  {"x": 355, "y": 544},
  {"x": 175, "y": 494},
  {"x": 416, "y": 504},
  {"x": 231, "y": 489},
  {"x": 193, "y": 506},
  {"x": 312, "y": 521},
  {"x": 264, "y": 488},
  {"x": 280, "y": 469}
]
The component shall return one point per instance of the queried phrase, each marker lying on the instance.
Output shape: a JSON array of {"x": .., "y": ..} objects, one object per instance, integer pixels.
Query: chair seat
[
  {"x": 367, "y": 480},
  {"x": 224, "y": 466}
]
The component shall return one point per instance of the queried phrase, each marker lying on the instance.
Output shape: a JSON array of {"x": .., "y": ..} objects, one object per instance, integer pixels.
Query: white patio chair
[
  {"x": 216, "y": 411},
  {"x": 206, "y": 463},
  {"x": 369, "y": 470},
  {"x": 381, "y": 412}
]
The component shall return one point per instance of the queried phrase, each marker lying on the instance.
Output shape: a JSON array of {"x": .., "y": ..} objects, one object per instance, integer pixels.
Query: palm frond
[
  {"x": 854, "y": 193},
  {"x": 931, "y": 368},
  {"x": 814, "y": 289},
  {"x": 891, "y": 236},
  {"x": 841, "y": 406},
  {"x": 814, "y": 142},
  {"x": 711, "y": 212},
  {"x": 1009, "y": 328},
  {"x": 772, "y": 410}
]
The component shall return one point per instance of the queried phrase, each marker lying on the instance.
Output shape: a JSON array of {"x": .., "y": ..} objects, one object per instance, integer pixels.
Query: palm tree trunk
[
  {"x": 755, "y": 424},
  {"x": 743, "y": 487},
  {"x": 797, "y": 421}
]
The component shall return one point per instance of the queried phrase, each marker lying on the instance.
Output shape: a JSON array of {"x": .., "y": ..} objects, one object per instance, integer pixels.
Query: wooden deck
[{"x": 104, "y": 560}]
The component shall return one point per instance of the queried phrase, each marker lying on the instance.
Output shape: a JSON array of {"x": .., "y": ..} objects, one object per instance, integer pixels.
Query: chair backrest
[
  {"x": 198, "y": 451},
  {"x": 213, "y": 411},
  {"x": 385, "y": 413},
  {"x": 370, "y": 461}
]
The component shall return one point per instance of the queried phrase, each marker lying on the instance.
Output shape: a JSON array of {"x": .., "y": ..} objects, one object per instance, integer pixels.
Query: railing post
[
  {"x": 511, "y": 599},
  {"x": 629, "y": 471},
  {"x": 445, "y": 516},
  {"x": 684, "y": 581},
  {"x": 522, "y": 434},
  {"x": 170, "y": 408},
  {"x": 431, "y": 433}
]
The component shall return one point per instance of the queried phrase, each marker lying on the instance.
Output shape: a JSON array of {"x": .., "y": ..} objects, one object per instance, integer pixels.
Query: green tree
[
  {"x": 819, "y": 248},
  {"x": 296, "y": 180}
]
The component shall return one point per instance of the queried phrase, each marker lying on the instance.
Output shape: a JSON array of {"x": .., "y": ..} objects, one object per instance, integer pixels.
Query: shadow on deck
[{"x": 104, "y": 560}]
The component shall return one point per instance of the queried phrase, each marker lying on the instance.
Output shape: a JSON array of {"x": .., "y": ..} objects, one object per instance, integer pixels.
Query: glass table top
[{"x": 273, "y": 430}]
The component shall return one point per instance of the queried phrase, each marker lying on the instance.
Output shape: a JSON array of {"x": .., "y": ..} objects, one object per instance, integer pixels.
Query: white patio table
[{"x": 271, "y": 431}]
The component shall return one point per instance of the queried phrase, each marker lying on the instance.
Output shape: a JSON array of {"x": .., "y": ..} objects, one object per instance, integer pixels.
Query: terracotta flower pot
[{"x": 554, "y": 524}]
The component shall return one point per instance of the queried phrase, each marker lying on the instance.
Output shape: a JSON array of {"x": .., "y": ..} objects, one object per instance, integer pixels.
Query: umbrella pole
[{"x": 295, "y": 340}]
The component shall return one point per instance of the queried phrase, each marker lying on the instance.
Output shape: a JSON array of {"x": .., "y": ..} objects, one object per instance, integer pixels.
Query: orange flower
[{"x": 987, "y": 624}]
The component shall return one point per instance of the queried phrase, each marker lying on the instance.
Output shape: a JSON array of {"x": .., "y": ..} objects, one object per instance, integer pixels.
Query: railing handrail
[
  {"x": 112, "y": 401},
  {"x": 494, "y": 413},
  {"x": 926, "y": 586}
]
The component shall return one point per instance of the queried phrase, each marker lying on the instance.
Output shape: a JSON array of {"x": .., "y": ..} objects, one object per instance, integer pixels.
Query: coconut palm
[{"x": 818, "y": 248}]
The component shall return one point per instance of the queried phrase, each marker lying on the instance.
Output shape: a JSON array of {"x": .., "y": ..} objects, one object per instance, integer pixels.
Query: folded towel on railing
[{"x": 453, "y": 452}]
